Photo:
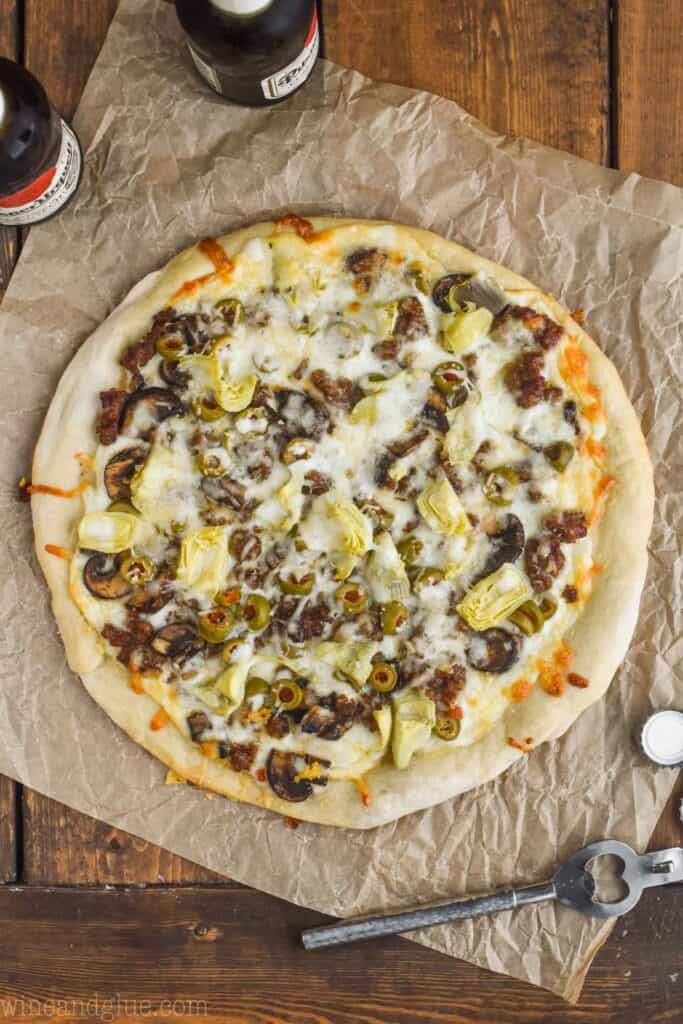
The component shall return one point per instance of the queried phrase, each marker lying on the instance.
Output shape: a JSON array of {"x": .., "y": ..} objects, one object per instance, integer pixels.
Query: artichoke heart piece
[
  {"x": 384, "y": 720},
  {"x": 495, "y": 598},
  {"x": 386, "y": 318},
  {"x": 204, "y": 560},
  {"x": 440, "y": 508},
  {"x": 158, "y": 483},
  {"x": 208, "y": 693},
  {"x": 232, "y": 681},
  {"x": 461, "y": 329},
  {"x": 337, "y": 526},
  {"x": 463, "y": 437},
  {"x": 353, "y": 658},
  {"x": 386, "y": 572},
  {"x": 414, "y": 719},
  {"x": 365, "y": 411},
  {"x": 291, "y": 498},
  {"x": 232, "y": 395},
  {"x": 108, "y": 532}
]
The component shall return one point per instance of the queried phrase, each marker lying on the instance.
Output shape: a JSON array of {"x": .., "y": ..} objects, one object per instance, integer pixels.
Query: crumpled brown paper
[{"x": 167, "y": 163}]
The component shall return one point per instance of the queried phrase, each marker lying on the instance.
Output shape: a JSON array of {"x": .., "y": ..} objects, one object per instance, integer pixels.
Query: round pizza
[{"x": 341, "y": 519}]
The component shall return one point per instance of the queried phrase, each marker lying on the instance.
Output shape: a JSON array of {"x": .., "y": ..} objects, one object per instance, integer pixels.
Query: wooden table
[{"x": 91, "y": 914}]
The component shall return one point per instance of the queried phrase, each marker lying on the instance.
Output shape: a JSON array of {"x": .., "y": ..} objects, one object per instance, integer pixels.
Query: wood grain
[
  {"x": 9, "y": 249},
  {"x": 239, "y": 951},
  {"x": 525, "y": 67},
  {"x": 63, "y": 846},
  {"x": 62, "y": 40},
  {"x": 9, "y": 47},
  {"x": 649, "y": 90}
]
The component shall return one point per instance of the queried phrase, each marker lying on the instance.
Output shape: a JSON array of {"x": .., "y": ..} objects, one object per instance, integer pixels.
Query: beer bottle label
[
  {"x": 297, "y": 71},
  {"x": 48, "y": 193},
  {"x": 282, "y": 82},
  {"x": 205, "y": 70}
]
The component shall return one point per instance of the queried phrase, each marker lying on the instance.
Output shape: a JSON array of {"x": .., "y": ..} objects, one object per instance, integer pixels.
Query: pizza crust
[{"x": 600, "y": 637}]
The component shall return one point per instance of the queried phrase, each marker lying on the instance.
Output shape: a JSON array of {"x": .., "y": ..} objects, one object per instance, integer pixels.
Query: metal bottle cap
[{"x": 661, "y": 738}]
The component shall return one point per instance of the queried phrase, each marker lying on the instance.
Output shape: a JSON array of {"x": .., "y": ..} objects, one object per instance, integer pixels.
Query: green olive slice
[
  {"x": 216, "y": 625},
  {"x": 137, "y": 569},
  {"x": 256, "y": 612}
]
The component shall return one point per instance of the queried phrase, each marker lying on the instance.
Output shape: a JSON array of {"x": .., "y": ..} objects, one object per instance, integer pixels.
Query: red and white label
[
  {"x": 50, "y": 191},
  {"x": 297, "y": 71}
]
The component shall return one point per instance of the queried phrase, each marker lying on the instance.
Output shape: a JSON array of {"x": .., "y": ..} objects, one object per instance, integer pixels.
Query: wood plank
[
  {"x": 528, "y": 67},
  {"x": 64, "y": 847},
  {"x": 9, "y": 250},
  {"x": 63, "y": 56},
  {"x": 9, "y": 47},
  {"x": 9, "y": 820},
  {"x": 238, "y": 951},
  {"x": 649, "y": 94},
  {"x": 60, "y": 845}
]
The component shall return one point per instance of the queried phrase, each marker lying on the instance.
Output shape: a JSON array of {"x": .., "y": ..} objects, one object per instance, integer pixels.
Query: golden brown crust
[{"x": 600, "y": 636}]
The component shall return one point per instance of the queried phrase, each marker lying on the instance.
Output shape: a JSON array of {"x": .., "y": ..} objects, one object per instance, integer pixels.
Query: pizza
[{"x": 341, "y": 519}]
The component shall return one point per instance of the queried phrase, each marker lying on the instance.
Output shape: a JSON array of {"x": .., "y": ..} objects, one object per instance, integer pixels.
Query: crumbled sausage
[
  {"x": 446, "y": 683},
  {"x": 366, "y": 265},
  {"x": 387, "y": 349},
  {"x": 524, "y": 377},
  {"x": 131, "y": 641},
  {"x": 339, "y": 391},
  {"x": 112, "y": 402},
  {"x": 331, "y": 718},
  {"x": 570, "y": 594},
  {"x": 241, "y": 756},
  {"x": 278, "y": 726},
  {"x": 545, "y": 331},
  {"x": 567, "y": 526},
  {"x": 316, "y": 483},
  {"x": 544, "y": 560},
  {"x": 411, "y": 322},
  {"x": 310, "y": 622},
  {"x": 244, "y": 545}
]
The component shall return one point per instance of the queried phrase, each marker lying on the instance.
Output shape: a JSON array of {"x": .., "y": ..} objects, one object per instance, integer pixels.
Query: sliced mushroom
[
  {"x": 197, "y": 723},
  {"x": 282, "y": 771},
  {"x": 508, "y": 544},
  {"x": 301, "y": 415},
  {"x": 147, "y": 407},
  {"x": 492, "y": 650},
  {"x": 469, "y": 288},
  {"x": 172, "y": 374},
  {"x": 120, "y": 470},
  {"x": 408, "y": 444},
  {"x": 102, "y": 577},
  {"x": 442, "y": 288},
  {"x": 434, "y": 411},
  {"x": 224, "y": 491},
  {"x": 178, "y": 641},
  {"x": 148, "y": 600}
]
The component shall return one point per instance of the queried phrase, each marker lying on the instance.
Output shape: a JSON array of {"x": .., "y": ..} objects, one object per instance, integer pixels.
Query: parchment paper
[{"x": 168, "y": 163}]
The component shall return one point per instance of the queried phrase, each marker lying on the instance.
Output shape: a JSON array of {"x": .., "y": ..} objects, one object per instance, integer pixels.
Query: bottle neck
[{"x": 244, "y": 7}]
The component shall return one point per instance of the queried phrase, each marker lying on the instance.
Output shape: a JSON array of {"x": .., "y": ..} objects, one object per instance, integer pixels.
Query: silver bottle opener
[{"x": 572, "y": 885}]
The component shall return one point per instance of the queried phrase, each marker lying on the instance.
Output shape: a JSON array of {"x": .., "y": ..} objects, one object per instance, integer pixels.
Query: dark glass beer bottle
[
  {"x": 40, "y": 157},
  {"x": 253, "y": 52}
]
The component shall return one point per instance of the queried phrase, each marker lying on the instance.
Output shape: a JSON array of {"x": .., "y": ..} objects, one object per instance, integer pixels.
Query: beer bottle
[
  {"x": 40, "y": 157},
  {"x": 253, "y": 52}
]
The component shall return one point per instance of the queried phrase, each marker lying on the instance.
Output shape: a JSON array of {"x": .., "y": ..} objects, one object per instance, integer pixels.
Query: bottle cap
[{"x": 661, "y": 738}]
